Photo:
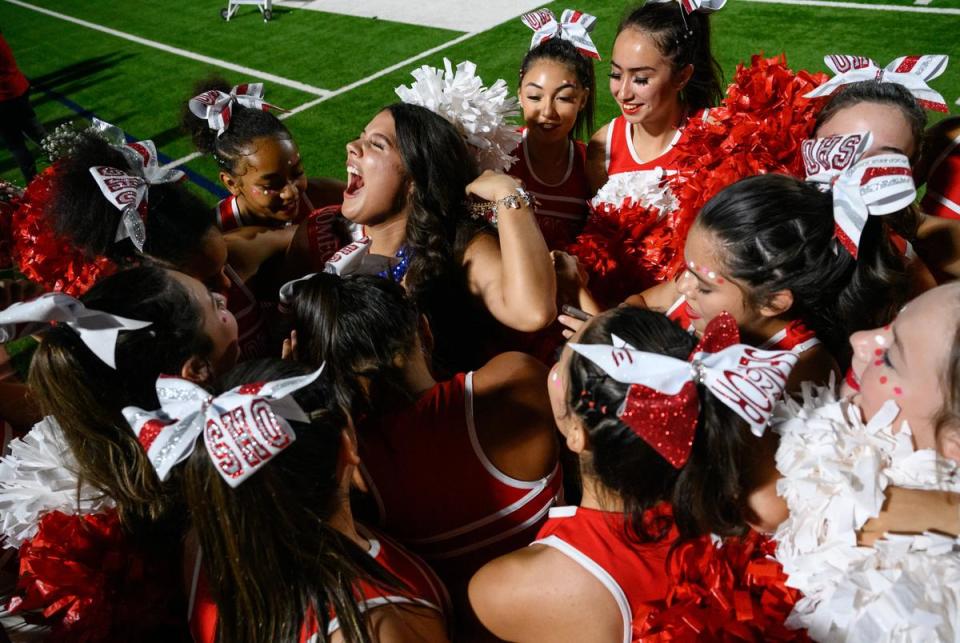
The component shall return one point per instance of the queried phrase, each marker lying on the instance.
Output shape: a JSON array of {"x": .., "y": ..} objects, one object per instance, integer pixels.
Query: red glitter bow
[{"x": 668, "y": 422}]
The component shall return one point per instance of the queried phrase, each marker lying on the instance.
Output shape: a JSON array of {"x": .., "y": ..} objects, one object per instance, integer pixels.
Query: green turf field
[{"x": 329, "y": 59}]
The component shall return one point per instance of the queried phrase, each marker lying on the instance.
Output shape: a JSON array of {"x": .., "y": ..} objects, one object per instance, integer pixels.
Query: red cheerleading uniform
[
  {"x": 635, "y": 573},
  {"x": 421, "y": 588},
  {"x": 561, "y": 208},
  {"x": 681, "y": 313},
  {"x": 622, "y": 157},
  {"x": 796, "y": 338},
  {"x": 230, "y": 218},
  {"x": 943, "y": 187},
  {"x": 436, "y": 490},
  {"x": 251, "y": 328}
]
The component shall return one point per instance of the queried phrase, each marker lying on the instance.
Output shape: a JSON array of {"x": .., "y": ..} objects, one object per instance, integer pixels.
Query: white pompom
[{"x": 481, "y": 114}]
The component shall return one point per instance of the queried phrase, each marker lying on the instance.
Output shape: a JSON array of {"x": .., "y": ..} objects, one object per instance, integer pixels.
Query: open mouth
[
  {"x": 629, "y": 109},
  {"x": 354, "y": 183}
]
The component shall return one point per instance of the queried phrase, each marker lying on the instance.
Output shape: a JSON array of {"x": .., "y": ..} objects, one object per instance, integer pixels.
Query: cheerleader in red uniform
[
  {"x": 557, "y": 92},
  {"x": 273, "y": 533},
  {"x": 662, "y": 73},
  {"x": 940, "y": 169},
  {"x": 460, "y": 470},
  {"x": 660, "y": 464},
  {"x": 259, "y": 161}
]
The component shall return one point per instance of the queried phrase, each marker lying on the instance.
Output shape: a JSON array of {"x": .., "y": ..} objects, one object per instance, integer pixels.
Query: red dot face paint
[
  {"x": 883, "y": 380},
  {"x": 897, "y": 390},
  {"x": 879, "y": 362},
  {"x": 878, "y": 352},
  {"x": 719, "y": 280}
]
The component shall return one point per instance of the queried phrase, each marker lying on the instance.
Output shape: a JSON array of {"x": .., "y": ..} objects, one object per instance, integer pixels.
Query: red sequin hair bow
[
  {"x": 912, "y": 72},
  {"x": 573, "y": 26},
  {"x": 216, "y": 107},
  {"x": 861, "y": 187},
  {"x": 662, "y": 405},
  {"x": 242, "y": 429}
]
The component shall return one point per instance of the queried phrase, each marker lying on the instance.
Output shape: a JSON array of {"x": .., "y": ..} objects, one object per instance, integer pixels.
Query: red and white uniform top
[
  {"x": 230, "y": 218},
  {"x": 439, "y": 493},
  {"x": 621, "y": 156},
  {"x": 635, "y": 573},
  {"x": 251, "y": 329},
  {"x": 796, "y": 338},
  {"x": 561, "y": 208},
  {"x": 681, "y": 313},
  {"x": 943, "y": 186},
  {"x": 420, "y": 587}
]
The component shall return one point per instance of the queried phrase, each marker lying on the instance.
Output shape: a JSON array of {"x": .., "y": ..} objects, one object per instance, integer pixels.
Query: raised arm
[{"x": 514, "y": 277}]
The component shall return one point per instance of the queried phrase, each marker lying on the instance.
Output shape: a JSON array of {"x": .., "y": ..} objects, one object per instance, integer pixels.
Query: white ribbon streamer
[
  {"x": 912, "y": 72},
  {"x": 352, "y": 259},
  {"x": 574, "y": 26},
  {"x": 97, "y": 329},
  {"x": 746, "y": 379},
  {"x": 242, "y": 429},
  {"x": 689, "y": 6},
  {"x": 876, "y": 186},
  {"x": 216, "y": 107}
]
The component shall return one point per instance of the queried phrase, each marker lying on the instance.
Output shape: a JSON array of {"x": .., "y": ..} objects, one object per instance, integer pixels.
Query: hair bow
[
  {"x": 242, "y": 428},
  {"x": 574, "y": 26},
  {"x": 912, "y": 72},
  {"x": 662, "y": 405},
  {"x": 97, "y": 329},
  {"x": 352, "y": 259},
  {"x": 825, "y": 158},
  {"x": 689, "y": 6},
  {"x": 876, "y": 186},
  {"x": 128, "y": 193},
  {"x": 217, "y": 107}
]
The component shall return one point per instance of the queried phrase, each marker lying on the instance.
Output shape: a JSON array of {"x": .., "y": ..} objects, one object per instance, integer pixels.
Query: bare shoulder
[
  {"x": 403, "y": 623},
  {"x": 511, "y": 369},
  {"x": 540, "y": 594}
]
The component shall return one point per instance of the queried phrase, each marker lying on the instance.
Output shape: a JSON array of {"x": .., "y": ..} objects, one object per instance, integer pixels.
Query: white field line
[
  {"x": 856, "y": 5},
  {"x": 346, "y": 88},
  {"x": 216, "y": 62}
]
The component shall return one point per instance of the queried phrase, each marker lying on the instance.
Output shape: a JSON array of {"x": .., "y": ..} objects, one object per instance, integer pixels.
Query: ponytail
[
  {"x": 246, "y": 124},
  {"x": 87, "y": 397},
  {"x": 176, "y": 219},
  {"x": 777, "y": 233},
  {"x": 705, "y": 493},
  {"x": 269, "y": 550},
  {"x": 683, "y": 40}
]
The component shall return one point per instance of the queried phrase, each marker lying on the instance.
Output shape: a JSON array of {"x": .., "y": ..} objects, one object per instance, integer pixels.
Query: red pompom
[
  {"x": 40, "y": 254},
  {"x": 87, "y": 579},
  {"x": 757, "y": 130},
  {"x": 733, "y": 592}
]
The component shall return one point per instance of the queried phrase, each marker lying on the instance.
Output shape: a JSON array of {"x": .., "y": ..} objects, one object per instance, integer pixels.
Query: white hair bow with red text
[
  {"x": 128, "y": 193},
  {"x": 876, "y": 185},
  {"x": 825, "y": 158},
  {"x": 352, "y": 259},
  {"x": 689, "y": 6},
  {"x": 216, "y": 107},
  {"x": 97, "y": 329},
  {"x": 912, "y": 72},
  {"x": 573, "y": 26},
  {"x": 242, "y": 428},
  {"x": 662, "y": 405}
]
